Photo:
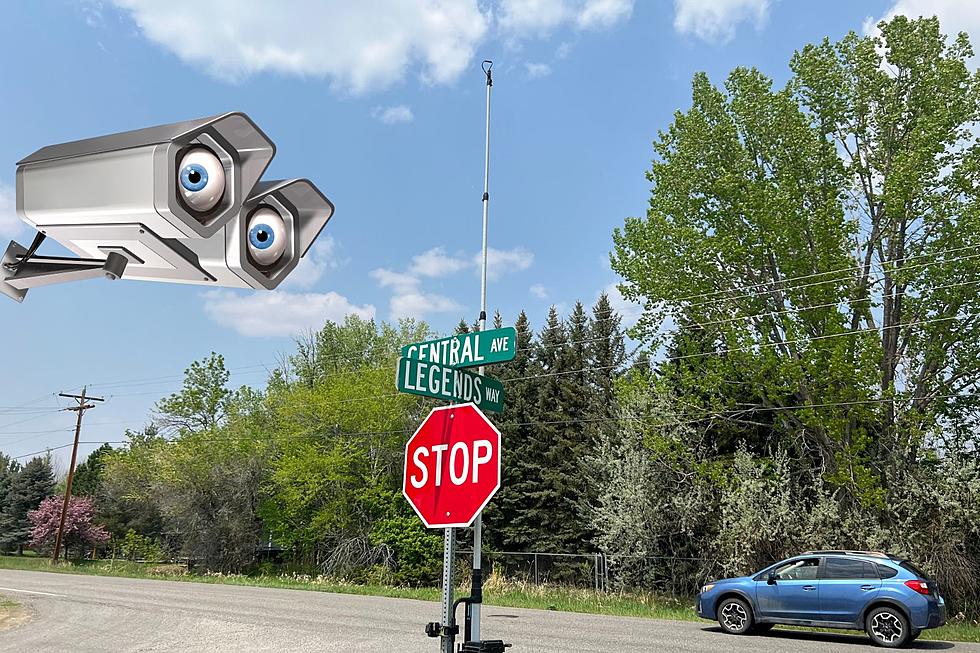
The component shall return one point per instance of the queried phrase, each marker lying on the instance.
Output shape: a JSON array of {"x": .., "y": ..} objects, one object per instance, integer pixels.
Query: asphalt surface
[{"x": 85, "y": 614}]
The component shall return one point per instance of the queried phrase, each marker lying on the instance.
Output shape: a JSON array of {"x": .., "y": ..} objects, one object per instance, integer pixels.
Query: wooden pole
[{"x": 80, "y": 409}]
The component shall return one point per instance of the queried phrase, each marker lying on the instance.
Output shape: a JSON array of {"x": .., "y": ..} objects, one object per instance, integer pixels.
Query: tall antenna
[{"x": 476, "y": 591}]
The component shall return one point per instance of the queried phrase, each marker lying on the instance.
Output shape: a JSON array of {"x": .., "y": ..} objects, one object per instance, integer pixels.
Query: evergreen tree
[
  {"x": 606, "y": 355},
  {"x": 29, "y": 487},
  {"x": 8, "y": 470},
  {"x": 545, "y": 519},
  {"x": 462, "y": 327},
  {"x": 505, "y": 529},
  {"x": 577, "y": 434}
]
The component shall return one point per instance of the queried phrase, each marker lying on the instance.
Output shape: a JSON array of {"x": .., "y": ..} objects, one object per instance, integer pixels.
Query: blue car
[{"x": 883, "y": 595}]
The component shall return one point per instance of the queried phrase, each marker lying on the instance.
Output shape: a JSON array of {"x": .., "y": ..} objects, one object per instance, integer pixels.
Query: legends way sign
[
  {"x": 442, "y": 382},
  {"x": 467, "y": 349},
  {"x": 452, "y": 466}
]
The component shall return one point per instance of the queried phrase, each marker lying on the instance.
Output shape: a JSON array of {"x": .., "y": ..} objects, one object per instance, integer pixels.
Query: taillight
[{"x": 920, "y": 586}]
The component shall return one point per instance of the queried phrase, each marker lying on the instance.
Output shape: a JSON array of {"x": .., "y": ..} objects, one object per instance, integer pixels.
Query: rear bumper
[{"x": 937, "y": 616}]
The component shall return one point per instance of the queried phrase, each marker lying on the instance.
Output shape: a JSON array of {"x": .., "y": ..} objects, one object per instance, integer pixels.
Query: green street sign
[
  {"x": 468, "y": 349},
  {"x": 442, "y": 382}
]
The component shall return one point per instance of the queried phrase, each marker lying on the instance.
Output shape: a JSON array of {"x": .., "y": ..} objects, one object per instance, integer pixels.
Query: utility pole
[{"x": 80, "y": 409}]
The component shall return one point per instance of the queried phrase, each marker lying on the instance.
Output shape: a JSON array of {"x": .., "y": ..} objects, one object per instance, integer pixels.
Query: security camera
[
  {"x": 181, "y": 203},
  {"x": 275, "y": 229}
]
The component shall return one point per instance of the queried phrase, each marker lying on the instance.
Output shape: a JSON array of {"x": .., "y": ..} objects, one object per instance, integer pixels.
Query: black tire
[
  {"x": 761, "y": 629},
  {"x": 735, "y": 616},
  {"x": 888, "y": 627}
]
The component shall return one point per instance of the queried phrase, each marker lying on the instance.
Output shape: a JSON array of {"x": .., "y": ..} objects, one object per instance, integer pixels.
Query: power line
[
  {"x": 855, "y": 268},
  {"x": 817, "y": 306},
  {"x": 758, "y": 293}
]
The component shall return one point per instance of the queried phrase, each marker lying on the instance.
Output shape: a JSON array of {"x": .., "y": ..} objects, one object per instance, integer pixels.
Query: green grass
[{"x": 497, "y": 591}]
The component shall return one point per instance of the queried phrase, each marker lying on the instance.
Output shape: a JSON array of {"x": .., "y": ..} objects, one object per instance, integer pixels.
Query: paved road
[{"x": 93, "y": 614}]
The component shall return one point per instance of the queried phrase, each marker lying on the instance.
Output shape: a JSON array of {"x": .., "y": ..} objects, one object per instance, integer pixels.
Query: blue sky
[{"x": 381, "y": 105}]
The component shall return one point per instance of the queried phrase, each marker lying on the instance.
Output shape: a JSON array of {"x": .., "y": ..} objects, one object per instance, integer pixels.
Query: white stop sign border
[{"x": 406, "y": 478}]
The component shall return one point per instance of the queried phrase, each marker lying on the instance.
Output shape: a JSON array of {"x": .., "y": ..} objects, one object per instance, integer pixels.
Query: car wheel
[
  {"x": 888, "y": 627},
  {"x": 735, "y": 616}
]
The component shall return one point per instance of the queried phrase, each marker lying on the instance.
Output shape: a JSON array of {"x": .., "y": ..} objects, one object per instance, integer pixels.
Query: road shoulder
[{"x": 12, "y": 614}]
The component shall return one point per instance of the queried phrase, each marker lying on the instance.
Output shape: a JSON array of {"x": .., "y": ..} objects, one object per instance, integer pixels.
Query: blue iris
[
  {"x": 193, "y": 177},
  {"x": 261, "y": 236}
]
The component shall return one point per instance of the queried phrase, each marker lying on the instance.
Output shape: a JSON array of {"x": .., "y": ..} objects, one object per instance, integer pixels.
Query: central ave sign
[
  {"x": 452, "y": 466},
  {"x": 467, "y": 349}
]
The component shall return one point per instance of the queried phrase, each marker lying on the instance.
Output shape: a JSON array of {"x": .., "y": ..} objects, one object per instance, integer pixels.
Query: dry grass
[{"x": 11, "y": 613}]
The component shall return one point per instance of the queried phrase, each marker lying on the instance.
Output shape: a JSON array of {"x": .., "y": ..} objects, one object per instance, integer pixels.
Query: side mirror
[{"x": 771, "y": 580}]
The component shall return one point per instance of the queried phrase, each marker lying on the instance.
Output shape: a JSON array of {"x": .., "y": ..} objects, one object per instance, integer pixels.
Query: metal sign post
[{"x": 448, "y": 642}]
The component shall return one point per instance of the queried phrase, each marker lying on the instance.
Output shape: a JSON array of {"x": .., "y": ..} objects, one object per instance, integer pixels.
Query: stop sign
[{"x": 452, "y": 466}]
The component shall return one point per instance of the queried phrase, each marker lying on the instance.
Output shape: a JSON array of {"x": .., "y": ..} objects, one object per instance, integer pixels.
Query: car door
[
  {"x": 795, "y": 594},
  {"x": 847, "y": 585}
]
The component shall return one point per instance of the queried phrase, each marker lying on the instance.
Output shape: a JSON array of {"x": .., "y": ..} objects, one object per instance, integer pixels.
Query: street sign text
[
  {"x": 467, "y": 349},
  {"x": 441, "y": 382}
]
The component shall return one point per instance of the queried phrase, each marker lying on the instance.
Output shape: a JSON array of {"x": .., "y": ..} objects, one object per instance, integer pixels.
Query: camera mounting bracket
[{"x": 20, "y": 270}]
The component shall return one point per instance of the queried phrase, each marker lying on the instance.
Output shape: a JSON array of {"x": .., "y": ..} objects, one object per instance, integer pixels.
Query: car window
[
  {"x": 915, "y": 570},
  {"x": 884, "y": 571},
  {"x": 847, "y": 568},
  {"x": 805, "y": 569}
]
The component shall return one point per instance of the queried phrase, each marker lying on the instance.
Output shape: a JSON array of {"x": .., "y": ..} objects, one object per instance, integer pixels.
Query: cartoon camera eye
[
  {"x": 266, "y": 236},
  {"x": 201, "y": 178}
]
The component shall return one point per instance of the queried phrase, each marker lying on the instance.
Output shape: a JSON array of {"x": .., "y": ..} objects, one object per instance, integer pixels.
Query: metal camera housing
[
  {"x": 118, "y": 195},
  {"x": 305, "y": 211}
]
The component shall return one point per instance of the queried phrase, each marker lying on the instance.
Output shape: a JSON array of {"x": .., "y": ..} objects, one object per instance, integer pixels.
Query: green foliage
[
  {"x": 136, "y": 547},
  {"x": 811, "y": 243},
  {"x": 29, "y": 486},
  {"x": 416, "y": 552},
  {"x": 88, "y": 475},
  {"x": 203, "y": 402}
]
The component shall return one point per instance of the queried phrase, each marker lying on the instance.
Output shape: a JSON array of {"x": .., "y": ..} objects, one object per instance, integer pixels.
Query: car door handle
[
  {"x": 809, "y": 588},
  {"x": 865, "y": 588}
]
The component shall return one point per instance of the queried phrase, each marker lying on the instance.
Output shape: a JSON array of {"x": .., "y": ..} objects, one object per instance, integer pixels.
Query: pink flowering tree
[{"x": 79, "y": 530}]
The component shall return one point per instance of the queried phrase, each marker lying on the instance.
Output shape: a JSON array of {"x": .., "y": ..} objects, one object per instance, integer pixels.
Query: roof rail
[{"x": 840, "y": 552}]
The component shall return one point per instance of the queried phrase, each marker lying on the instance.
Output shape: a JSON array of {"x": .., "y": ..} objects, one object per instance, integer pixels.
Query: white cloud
[
  {"x": 279, "y": 313},
  {"x": 540, "y": 17},
  {"x": 10, "y": 224},
  {"x": 537, "y": 70},
  {"x": 393, "y": 115},
  {"x": 538, "y": 291},
  {"x": 500, "y": 261},
  {"x": 715, "y": 20},
  {"x": 436, "y": 263},
  {"x": 311, "y": 268},
  {"x": 399, "y": 281},
  {"x": 409, "y": 299},
  {"x": 603, "y": 13},
  {"x": 418, "y": 305},
  {"x": 630, "y": 311},
  {"x": 357, "y": 45},
  {"x": 954, "y": 15}
]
